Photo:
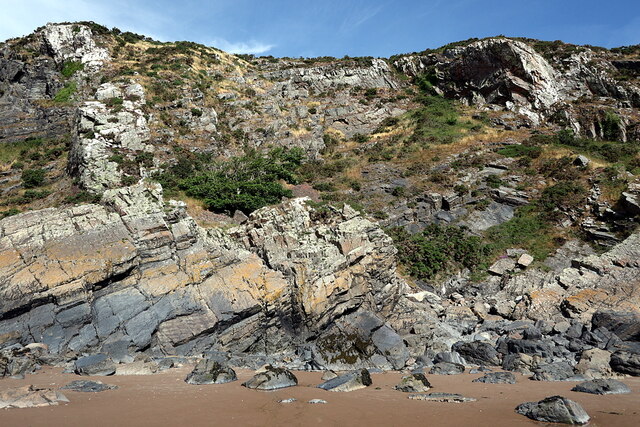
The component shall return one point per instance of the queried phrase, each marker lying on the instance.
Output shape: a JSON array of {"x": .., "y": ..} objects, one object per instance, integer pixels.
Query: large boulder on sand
[
  {"x": 209, "y": 371},
  {"x": 348, "y": 382},
  {"x": 272, "y": 379},
  {"x": 602, "y": 386},
  {"x": 555, "y": 409}
]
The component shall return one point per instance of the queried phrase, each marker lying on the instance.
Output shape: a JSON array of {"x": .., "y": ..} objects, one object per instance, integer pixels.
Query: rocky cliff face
[{"x": 298, "y": 283}]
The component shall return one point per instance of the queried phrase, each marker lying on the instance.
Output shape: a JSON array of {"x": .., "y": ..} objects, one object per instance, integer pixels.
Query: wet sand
[{"x": 166, "y": 400}]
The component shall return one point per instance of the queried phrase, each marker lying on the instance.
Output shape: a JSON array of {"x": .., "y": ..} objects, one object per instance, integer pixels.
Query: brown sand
[{"x": 166, "y": 400}]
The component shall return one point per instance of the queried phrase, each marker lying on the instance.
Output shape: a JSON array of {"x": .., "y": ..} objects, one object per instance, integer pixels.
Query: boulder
[
  {"x": 502, "y": 266},
  {"x": 441, "y": 397},
  {"x": 317, "y": 401},
  {"x": 272, "y": 379},
  {"x": 414, "y": 383},
  {"x": 626, "y": 362},
  {"x": 497, "y": 378},
  {"x": 520, "y": 362},
  {"x": 594, "y": 363},
  {"x": 96, "y": 364},
  {"x": 139, "y": 367},
  {"x": 555, "y": 409},
  {"x": 348, "y": 382},
  {"x": 559, "y": 371},
  {"x": 209, "y": 371},
  {"x": 88, "y": 386},
  {"x": 602, "y": 386},
  {"x": 30, "y": 397},
  {"x": 449, "y": 357},
  {"x": 15, "y": 362},
  {"x": 626, "y": 325},
  {"x": 478, "y": 352},
  {"x": 525, "y": 260},
  {"x": 446, "y": 368},
  {"x": 581, "y": 161}
]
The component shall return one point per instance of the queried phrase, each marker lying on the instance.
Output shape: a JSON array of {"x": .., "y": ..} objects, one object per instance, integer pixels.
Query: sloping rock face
[
  {"x": 109, "y": 131},
  {"x": 25, "y": 82},
  {"x": 140, "y": 275},
  {"x": 505, "y": 73}
]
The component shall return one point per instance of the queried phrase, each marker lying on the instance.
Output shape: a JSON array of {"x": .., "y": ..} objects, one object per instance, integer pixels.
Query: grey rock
[
  {"x": 96, "y": 364},
  {"x": 317, "y": 401},
  {"x": 348, "y": 382},
  {"x": 446, "y": 368},
  {"x": 555, "y": 409},
  {"x": 602, "y": 386},
  {"x": 88, "y": 386},
  {"x": 209, "y": 371},
  {"x": 626, "y": 325},
  {"x": 442, "y": 397},
  {"x": 289, "y": 400},
  {"x": 449, "y": 357},
  {"x": 414, "y": 383},
  {"x": 581, "y": 161},
  {"x": 478, "y": 352},
  {"x": 502, "y": 266},
  {"x": 30, "y": 397},
  {"x": 626, "y": 362},
  {"x": 272, "y": 379},
  {"x": 497, "y": 378},
  {"x": 559, "y": 371}
]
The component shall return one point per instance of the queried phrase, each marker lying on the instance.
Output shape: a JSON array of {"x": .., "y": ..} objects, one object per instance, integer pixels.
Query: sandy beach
[{"x": 165, "y": 399}]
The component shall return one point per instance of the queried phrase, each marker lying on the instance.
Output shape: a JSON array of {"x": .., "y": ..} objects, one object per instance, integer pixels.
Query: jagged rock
[
  {"x": 602, "y": 386},
  {"x": 626, "y": 325},
  {"x": 446, "y": 368},
  {"x": 348, "y": 382},
  {"x": 442, "y": 397},
  {"x": 555, "y": 409},
  {"x": 96, "y": 364},
  {"x": 497, "y": 378},
  {"x": 30, "y": 397},
  {"x": 17, "y": 361},
  {"x": 478, "y": 352},
  {"x": 520, "y": 362},
  {"x": 559, "y": 371},
  {"x": 525, "y": 260},
  {"x": 594, "y": 363},
  {"x": 272, "y": 379},
  {"x": 289, "y": 400},
  {"x": 414, "y": 383},
  {"x": 502, "y": 266},
  {"x": 88, "y": 386},
  {"x": 581, "y": 161},
  {"x": 626, "y": 362},
  {"x": 105, "y": 134},
  {"x": 449, "y": 357},
  {"x": 209, "y": 371},
  {"x": 74, "y": 42}
]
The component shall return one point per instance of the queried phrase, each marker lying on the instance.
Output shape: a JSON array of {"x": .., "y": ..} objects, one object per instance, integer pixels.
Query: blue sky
[{"x": 338, "y": 27}]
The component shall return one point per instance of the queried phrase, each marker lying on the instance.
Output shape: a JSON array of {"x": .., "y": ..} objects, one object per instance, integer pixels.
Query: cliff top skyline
[{"x": 338, "y": 28}]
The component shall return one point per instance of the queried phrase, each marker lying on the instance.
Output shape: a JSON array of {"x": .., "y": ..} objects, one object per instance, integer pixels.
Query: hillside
[{"x": 151, "y": 199}]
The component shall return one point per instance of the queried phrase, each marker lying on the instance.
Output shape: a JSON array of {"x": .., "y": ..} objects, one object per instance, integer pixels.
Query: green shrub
[
  {"x": 564, "y": 195},
  {"x": 32, "y": 178},
  {"x": 493, "y": 181},
  {"x": 244, "y": 183},
  {"x": 65, "y": 94},
  {"x": 530, "y": 151},
  {"x": 69, "y": 68},
  {"x": 437, "y": 249}
]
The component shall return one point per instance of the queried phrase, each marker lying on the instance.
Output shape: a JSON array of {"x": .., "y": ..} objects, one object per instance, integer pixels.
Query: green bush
[
  {"x": 563, "y": 195},
  {"x": 65, "y": 94},
  {"x": 530, "y": 151},
  {"x": 69, "y": 68},
  {"x": 244, "y": 183},
  {"x": 437, "y": 249},
  {"x": 32, "y": 178}
]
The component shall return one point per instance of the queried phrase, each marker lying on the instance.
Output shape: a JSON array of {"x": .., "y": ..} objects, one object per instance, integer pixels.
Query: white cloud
[{"x": 251, "y": 46}]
